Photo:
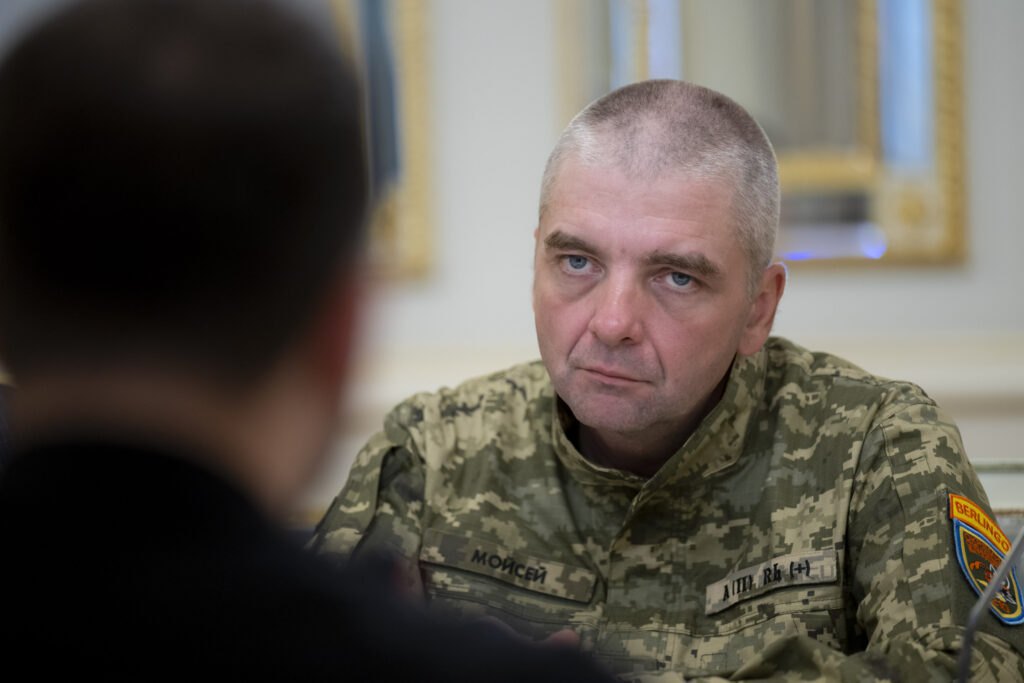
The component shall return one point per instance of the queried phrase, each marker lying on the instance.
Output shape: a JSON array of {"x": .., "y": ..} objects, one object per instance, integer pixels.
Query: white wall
[
  {"x": 495, "y": 118},
  {"x": 957, "y": 331},
  {"x": 493, "y": 99}
]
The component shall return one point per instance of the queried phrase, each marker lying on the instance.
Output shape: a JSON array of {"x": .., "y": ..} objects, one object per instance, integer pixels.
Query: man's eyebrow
[
  {"x": 692, "y": 262},
  {"x": 561, "y": 241}
]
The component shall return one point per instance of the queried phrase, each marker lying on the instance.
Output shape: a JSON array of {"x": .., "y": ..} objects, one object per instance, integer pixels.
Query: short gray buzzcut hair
[{"x": 657, "y": 127}]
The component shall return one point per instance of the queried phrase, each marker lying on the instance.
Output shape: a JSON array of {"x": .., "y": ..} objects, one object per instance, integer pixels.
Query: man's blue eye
[
  {"x": 577, "y": 262},
  {"x": 681, "y": 279}
]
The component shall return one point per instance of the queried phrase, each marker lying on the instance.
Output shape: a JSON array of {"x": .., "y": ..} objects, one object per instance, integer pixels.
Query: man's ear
[
  {"x": 762, "y": 311},
  {"x": 335, "y": 330}
]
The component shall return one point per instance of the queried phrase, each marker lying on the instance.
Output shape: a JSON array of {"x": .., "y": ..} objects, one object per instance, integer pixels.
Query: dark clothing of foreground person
[{"x": 134, "y": 563}]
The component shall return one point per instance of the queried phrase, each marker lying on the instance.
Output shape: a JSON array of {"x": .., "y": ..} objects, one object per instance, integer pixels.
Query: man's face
[{"x": 640, "y": 298}]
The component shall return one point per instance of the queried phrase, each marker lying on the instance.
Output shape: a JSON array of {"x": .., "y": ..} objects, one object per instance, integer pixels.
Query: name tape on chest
[
  {"x": 779, "y": 572},
  {"x": 510, "y": 566},
  {"x": 980, "y": 547}
]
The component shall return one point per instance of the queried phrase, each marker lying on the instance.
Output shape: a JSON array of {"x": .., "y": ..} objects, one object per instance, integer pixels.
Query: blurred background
[{"x": 896, "y": 127}]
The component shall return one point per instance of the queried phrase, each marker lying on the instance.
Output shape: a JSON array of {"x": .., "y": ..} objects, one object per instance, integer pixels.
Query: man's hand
[{"x": 566, "y": 637}]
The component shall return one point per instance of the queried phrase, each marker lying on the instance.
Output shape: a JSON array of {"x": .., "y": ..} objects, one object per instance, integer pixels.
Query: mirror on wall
[{"x": 861, "y": 98}]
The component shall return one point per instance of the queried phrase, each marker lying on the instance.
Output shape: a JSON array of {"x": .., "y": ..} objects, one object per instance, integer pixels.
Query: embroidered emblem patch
[{"x": 980, "y": 548}]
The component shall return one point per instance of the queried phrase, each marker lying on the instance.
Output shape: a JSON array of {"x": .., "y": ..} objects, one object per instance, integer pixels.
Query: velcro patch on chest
[
  {"x": 779, "y": 572},
  {"x": 513, "y": 567},
  {"x": 980, "y": 547}
]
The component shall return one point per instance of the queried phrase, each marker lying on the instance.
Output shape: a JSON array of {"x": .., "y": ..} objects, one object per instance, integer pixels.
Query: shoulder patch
[{"x": 980, "y": 547}]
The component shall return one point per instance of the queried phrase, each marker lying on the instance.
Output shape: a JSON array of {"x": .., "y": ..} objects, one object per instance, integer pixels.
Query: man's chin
[{"x": 608, "y": 414}]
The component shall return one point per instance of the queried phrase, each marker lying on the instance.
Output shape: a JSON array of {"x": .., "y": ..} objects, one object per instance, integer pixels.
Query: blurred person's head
[
  {"x": 653, "y": 266},
  {"x": 182, "y": 200}
]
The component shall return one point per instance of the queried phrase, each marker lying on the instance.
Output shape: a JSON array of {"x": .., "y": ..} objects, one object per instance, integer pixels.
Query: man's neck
[{"x": 625, "y": 451}]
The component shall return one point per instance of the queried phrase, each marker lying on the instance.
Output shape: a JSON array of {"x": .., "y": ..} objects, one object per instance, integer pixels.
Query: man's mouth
[{"x": 609, "y": 374}]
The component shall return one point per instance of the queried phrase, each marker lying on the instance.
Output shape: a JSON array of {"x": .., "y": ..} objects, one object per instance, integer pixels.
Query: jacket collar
[{"x": 715, "y": 445}]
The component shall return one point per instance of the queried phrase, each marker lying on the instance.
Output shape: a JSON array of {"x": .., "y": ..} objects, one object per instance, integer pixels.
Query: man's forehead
[
  {"x": 576, "y": 176},
  {"x": 585, "y": 188}
]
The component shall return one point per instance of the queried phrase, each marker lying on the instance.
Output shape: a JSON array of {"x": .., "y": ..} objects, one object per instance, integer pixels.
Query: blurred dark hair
[{"x": 179, "y": 179}]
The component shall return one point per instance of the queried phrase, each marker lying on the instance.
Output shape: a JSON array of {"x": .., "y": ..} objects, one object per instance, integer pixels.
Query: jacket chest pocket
[
  {"x": 754, "y": 611},
  {"x": 753, "y": 629},
  {"x": 475, "y": 577}
]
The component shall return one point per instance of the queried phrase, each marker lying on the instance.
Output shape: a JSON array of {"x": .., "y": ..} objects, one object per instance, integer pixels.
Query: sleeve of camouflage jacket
[
  {"x": 380, "y": 506},
  {"x": 909, "y": 597}
]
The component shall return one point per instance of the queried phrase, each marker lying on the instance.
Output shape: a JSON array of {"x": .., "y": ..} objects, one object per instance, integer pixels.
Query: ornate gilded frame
[{"x": 401, "y": 242}]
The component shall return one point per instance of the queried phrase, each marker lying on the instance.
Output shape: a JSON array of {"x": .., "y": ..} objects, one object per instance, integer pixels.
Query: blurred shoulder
[{"x": 514, "y": 390}]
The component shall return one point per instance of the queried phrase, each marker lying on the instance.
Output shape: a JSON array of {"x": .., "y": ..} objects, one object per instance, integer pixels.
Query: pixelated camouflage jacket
[{"x": 801, "y": 533}]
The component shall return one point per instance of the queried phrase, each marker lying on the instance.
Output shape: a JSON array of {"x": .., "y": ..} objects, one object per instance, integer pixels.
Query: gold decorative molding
[
  {"x": 641, "y": 40},
  {"x": 570, "y": 48},
  {"x": 867, "y": 77},
  {"x": 414, "y": 237},
  {"x": 949, "y": 130},
  {"x": 401, "y": 235},
  {"x": 828, "y": 169}
]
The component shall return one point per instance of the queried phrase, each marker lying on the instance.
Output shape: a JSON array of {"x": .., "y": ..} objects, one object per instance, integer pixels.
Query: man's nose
[{"x": 617, "y": 312}]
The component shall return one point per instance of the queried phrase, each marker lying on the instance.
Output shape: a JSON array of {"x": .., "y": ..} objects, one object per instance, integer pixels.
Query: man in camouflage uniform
[{"x": 693, "y": 498}]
